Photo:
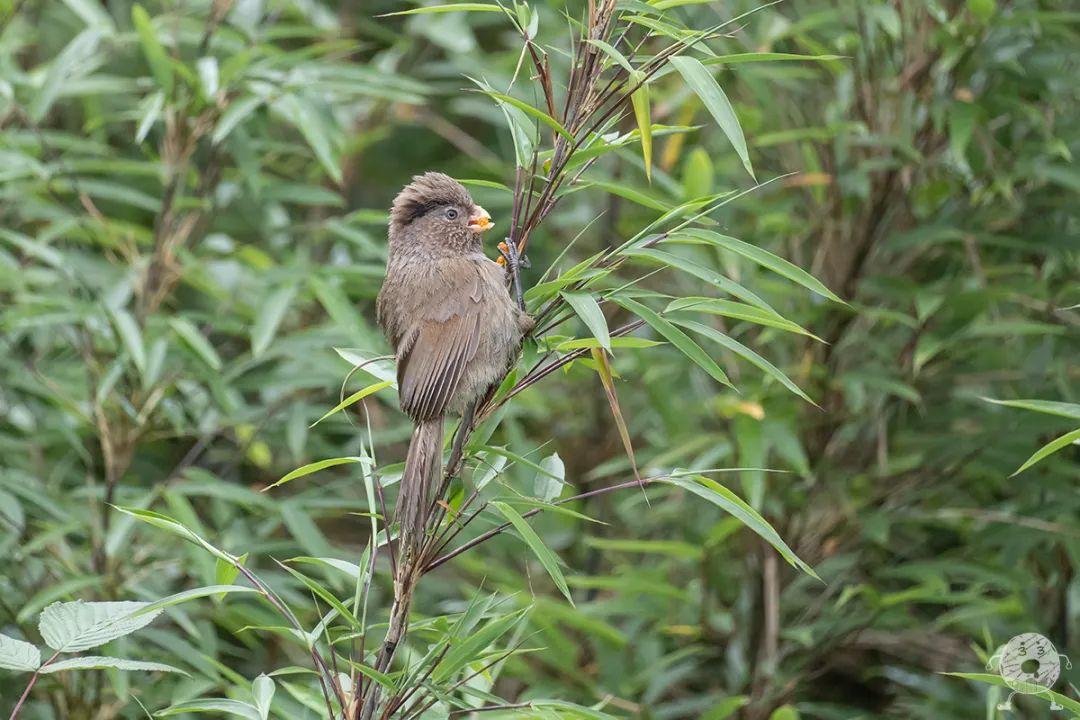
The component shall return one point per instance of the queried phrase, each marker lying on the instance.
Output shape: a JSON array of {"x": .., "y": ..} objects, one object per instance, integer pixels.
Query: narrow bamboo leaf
[
  {"x": 629, "y": 193},
  {"x": 612, "y": 53},
  {"x": 369, "y": 672},
  {"x": 753, "y": 57},
  {"x": 543, "y": 554},
  {"x": 1049, "y": 449},
  {"x": 640, "y": 101},
  {"x": 699, "y": 271},
  {"x": 18, "y": 655},
  {"x": 452, "y": 7},
  {"x": 89, "y": 662},
  {"x": 747, "y": 354},
  {"x": 354, "y": 398},
  {"x": 149, "y": 110},
  {"x": 704, "y": 85},
  {"x": 767, "y": 260},
  {"x": 302, "y": 114},
  {"x": 195, "y": 340},
  {"x": 1062, "y": 409},
  {"x": 586, "y": 307},
  {"x": 520, "y": 460},
  {"x": 131, "y": 337},
  {"x": 738, "y": 311},
  {"x": 152, "y": 48},
  {"x": 78, "y": 57},
  {"x": 236, "y": 113},
  {"x": 678, "y": 338},
  {"x": 1046, "y": 694},
  {"x": 268, "y": 318},
  {"x": 720, "y": 496},
  {"x": 316, "y": 467},
  {"x": 93, "y": 14},
  {"x": 471, "y": 648},
  {"x": 531, "y": 112},
  {"x": 213, "y": 705},
  {"x": 326, "y": 595},
  {"x": 603, "y": 368}
]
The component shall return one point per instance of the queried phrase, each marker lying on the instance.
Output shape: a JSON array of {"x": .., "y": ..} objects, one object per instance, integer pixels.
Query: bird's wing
[{"x": 438, "y": 347}]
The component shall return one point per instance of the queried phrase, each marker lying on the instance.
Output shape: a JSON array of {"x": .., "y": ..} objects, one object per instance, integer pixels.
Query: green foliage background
[{"x": 193, "y": 217}]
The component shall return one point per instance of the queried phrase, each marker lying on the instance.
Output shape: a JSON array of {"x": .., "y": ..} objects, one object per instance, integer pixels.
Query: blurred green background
[{"x": 192, "y": 219}]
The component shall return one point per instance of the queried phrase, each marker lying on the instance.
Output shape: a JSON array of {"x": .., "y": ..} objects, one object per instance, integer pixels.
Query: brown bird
[{"x": 446, "y": 310}]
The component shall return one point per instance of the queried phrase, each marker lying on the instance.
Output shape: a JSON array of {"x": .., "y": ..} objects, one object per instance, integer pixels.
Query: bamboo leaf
[
  {"x": 89, "y": 662},
  {"x": 160, "y": 65},
  {"x": 195, "y": 340},
  {"x": 586, "y": 307},
  {"x": 639, "y": 99},
  {"x": 678, "y": 338},
  {"x": 1049, "y": 407},
  {"x": 738, "y": 311},
  {"x": 543, "y": 554},
  {"x": 704, "y": 85},
  {"x": 453, "y": 7},
  {"x": 1049, "y": 449},
  {"x": 316, "y": 467},
  {"x": 603, "y": 368},
  {"x": 354, "y": 398}
]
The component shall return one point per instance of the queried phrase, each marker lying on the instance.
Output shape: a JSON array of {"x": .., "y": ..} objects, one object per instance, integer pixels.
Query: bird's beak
[{"x": 480, "y": 221}]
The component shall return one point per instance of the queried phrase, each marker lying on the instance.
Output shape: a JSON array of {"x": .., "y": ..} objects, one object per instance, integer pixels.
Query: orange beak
[{"x": 480, "y": 221}]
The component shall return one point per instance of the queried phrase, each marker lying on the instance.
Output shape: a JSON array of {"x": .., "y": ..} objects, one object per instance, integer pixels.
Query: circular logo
[{"x": 1030, "y": 664}]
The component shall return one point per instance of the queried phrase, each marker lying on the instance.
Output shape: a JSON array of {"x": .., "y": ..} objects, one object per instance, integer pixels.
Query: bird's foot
[{"x": 513, "y": 259}]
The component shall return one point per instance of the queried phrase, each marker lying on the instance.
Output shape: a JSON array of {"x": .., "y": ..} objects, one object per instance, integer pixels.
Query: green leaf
[
  {"x": 704, "y": 85},
  {"x": 1046, "y": 695},
  {"x": 76, "y": 59},
  {"x": 767, "y": 260},
  {"x": 18, "y": 655},
  {"x": 92, "y": 13},
  {"x": 213, "y": 705},
  {"x": 471, "y": 648},
  {"x": 723, "y": 498},
  {"x": 159, "y": 62},
  {"x": 699, "y": 271},
  {"x": 751, "y": 57},
  {"x": 586, "y": 307},
  {"x": 1062, "y": 409},
  {"x": 131, "y": 337},
  {"x": 354, "y": 398},
  {"x": 745, "y": 353},
  {"x": 543, "y": 554},
  {"x": 195, "y": 340},
  {"x": 749, "y": 313},
  {"x": 603, "y": 369},
  {"x": 1049, "y": 449},
  {"x": 90, "y": 662},
  {"x": 453, "y": 7},
  {"x": 612, "y": 53},
  {"x": 268, "y": 318},
  {"x": 305, "y": 117},
  {"x": 316, "y": 467},
  {"x": 640, "y": 101},
  {"x": 531, "y": 112},
  {"x": 678, "y": 338},
  {"x": 262, "y": 692},
  {"x": 78, "y": 625}
]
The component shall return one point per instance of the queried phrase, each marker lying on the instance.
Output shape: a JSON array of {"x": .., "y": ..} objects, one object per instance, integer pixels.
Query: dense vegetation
[{"x": 841, "y": 298}]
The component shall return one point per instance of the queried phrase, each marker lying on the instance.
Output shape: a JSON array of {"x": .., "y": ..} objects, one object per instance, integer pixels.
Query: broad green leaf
[
  {"x": 316, "y": 467},
  {"x": 88, "y": 662},
  {"x": 704, "y": 85},
  {"x": 195, "y": 340},
  {"x": 1062, "y": 409},
  {"x": 720, "y": 496},
  {"x": 543, "y": 554},
  {"x": 745, "y": 353},
  {"x": 268, "y": 318},
  {"x": 677, "y": 338},
  {"x": 78, "y": 625},
  {"x": 354, "y": 398},
  {"x": 159, "y": 62},
  {"x": 766, "y": 259},
  {"x": 18, "y": 655},
  {"x": 1049, "y": 449},
  {"x": 262, "y": 692},
  {"x": 586, "y": 307}
]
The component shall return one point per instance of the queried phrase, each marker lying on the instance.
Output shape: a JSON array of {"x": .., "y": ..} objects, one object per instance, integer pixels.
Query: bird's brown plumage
[{"x": 445, "y": 308}]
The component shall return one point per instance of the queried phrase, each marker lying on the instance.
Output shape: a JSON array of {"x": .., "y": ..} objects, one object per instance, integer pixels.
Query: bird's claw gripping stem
[{"x": 514, "y": 263}]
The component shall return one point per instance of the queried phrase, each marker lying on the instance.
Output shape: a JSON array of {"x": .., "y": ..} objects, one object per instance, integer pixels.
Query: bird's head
[{"x": 435, "y": 208}]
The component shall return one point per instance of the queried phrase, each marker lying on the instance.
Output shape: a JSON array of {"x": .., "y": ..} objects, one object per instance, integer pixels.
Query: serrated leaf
[
  {"x": 543, "y": 554},
  {"x": 91, "y": 662},
  {"x": 704, "y": 85},
  {"x": 78, "y": 625},
  {"x": 18, "y": 655}
]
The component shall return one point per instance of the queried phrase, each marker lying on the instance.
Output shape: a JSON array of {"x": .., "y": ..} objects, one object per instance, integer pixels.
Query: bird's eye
[{"x": 451, "y": 214}]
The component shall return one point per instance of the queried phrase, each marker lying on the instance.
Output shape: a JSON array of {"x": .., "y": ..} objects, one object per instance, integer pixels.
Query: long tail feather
[{"x": 423, "y": 468}]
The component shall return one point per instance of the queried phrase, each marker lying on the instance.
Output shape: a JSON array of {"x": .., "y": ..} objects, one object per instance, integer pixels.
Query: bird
[{"x": 447, "y": 311}]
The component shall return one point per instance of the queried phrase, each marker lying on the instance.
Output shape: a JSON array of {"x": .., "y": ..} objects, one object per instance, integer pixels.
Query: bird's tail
[{"x": 423, "y": 470}]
